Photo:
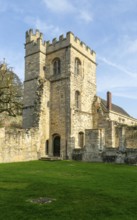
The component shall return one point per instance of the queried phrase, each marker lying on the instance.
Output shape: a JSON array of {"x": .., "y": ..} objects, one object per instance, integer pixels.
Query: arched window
[
  {"x": 77, "y": 99},
  {"x": 56, "y": 66},
  {"x": 81, "y": 139},
  {"x": 77, "y": 66}
]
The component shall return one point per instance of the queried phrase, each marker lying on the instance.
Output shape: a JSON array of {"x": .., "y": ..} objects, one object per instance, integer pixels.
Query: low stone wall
[
  {"x": 115, "y": 155},
  {"x": 131, "y": 137},
  {"x": 96, "y": 149},
  {"x": 19, "y": 145},
  {"x": 94, "y": 144}
]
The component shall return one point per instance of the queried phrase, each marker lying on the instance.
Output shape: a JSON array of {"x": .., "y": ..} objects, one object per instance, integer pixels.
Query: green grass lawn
[{"x": 79, "y": 191}]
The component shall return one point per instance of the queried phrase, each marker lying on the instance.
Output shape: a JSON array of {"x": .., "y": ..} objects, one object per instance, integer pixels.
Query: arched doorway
[{"x": 56, "y": 146}]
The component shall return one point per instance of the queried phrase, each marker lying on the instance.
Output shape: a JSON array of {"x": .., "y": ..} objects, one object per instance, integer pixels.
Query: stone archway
[{"x": 56, "y": 146}]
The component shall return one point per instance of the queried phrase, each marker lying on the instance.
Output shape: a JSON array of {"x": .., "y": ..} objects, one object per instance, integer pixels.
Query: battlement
[
  {"x": 35, "y": 37},
  {"x": 34, "y": 42},
  {"x": 72, "y": 40}
]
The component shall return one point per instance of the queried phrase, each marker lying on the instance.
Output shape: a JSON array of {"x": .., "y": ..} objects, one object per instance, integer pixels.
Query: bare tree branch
[{"x": 11, "y": 91}]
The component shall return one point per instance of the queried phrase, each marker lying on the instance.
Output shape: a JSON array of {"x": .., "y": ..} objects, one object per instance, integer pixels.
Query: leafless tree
[{"x": 11, "y": 91}]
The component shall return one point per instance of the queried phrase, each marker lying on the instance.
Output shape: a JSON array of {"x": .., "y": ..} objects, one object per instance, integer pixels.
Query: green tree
[{"x": 11, "y": 91}]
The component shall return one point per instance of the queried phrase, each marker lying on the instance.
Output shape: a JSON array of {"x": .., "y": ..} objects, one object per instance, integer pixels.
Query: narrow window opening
[
  {"x": 77, "y": 66},
  {"x": 56, "y": 66},
  {"x": 81, "y": 139},
  {"x": 77, "y": 99}
]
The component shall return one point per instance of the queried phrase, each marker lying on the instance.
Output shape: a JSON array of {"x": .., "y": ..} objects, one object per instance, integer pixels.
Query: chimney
[{"x": 109, "y": 101}]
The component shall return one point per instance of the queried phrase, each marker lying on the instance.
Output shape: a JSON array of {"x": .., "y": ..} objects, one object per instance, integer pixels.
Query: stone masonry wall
[
  {"x": 85, "y": 83},
  {"x": 35, "y": 57},
  {"x": 122, "y": 119},
  {"x": 94, "y": 144},
  {"x": 44, "y": 117},
  {"x": 59, "y": 103},
  {"x": 131, "y": 137},
  {"x": 19, "y": 145}
]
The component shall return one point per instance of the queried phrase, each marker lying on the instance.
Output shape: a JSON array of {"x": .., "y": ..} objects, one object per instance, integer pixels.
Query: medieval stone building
[
  {"x": 60, "y": 99},
  {"x": 62, "y": 115}
]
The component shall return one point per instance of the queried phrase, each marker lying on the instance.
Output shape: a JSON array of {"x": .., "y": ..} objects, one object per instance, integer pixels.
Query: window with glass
[
  {"x": 77, "y": 66},
  {"x": 56, "y": 66}
]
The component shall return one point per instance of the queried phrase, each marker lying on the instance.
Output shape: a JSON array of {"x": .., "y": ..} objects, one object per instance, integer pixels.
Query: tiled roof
[{"x": 115, "y": 108}]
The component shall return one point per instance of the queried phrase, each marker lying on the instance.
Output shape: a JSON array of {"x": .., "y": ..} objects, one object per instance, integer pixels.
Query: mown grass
[{"x": 80, "y": 191}]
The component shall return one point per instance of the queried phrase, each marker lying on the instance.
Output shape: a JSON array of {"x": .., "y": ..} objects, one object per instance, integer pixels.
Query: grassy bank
[{"x": 75, "y": 190}]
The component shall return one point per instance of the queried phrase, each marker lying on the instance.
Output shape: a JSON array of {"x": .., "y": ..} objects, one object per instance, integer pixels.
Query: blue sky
[{"x": 107, "y": 27}]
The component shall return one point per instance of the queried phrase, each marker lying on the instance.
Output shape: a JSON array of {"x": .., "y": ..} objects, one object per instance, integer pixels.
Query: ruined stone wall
[
  {"x": 114, "y": 124},
  {"x": 94, "y": 144},
  {"x": 101, "y": 121},
  {"x": 29, "y": 102},
  {"x": 19, "y": 145},
  {"x": 44, "y": 117},
  {"x": 9, "y": 121},
  {"x": 131, "y": 137},
  {"x": 117, "y": 142}
]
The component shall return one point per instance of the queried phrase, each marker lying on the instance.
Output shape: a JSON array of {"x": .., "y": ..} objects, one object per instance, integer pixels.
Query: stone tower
[
  {"x": 35, "y": 56},
  {"x": 67, "y": 69}
]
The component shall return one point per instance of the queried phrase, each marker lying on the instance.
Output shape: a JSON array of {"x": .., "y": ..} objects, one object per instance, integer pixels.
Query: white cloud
[
  {"x": 85, "y": 16},
  {"x": 119, "y": 67},
  {"x": 132, "y": 46},
  {"x": 80, "y": 10},
  {"x": 4, "y": 7},
  {"x": 59, "y": 5},
  {"x": 16, "y": 9},
  {"x": 43, "y": 26},
  {"x": 125, "y": 94}
]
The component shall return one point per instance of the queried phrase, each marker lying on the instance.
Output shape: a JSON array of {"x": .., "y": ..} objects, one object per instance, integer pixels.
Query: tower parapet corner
[
  {"x": 77, "y": 43},
  {"x": 69, "y": 34},
  {"x": 33, "y": 36}
]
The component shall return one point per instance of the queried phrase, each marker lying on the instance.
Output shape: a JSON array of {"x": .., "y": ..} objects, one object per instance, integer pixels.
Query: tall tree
[{"x": 11, "y": 91}]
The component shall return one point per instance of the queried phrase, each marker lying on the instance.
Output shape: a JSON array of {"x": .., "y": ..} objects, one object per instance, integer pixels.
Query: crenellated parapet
[
  {"x": 70, "y": 40},
  {"x": 34, "y": 42},
  {"x": 33, "y": 36}
]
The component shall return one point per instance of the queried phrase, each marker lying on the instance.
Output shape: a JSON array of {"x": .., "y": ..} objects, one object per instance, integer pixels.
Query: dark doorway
[
  {"x": 47, "y": 147},
  {"x": 56, "y": 146}
]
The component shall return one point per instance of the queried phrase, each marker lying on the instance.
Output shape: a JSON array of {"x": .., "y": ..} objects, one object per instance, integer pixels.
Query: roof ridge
[{"x": 115, "y": 108}]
